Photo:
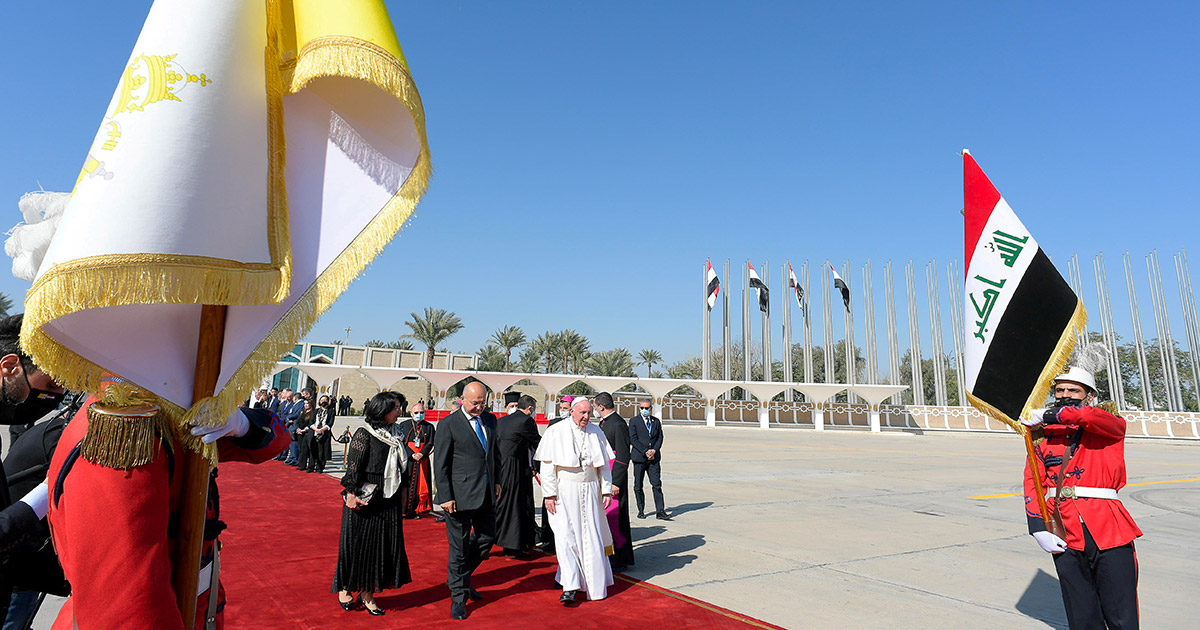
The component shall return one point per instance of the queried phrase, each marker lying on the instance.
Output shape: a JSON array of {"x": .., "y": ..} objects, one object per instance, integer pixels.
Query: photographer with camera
[{"x": 1080, "y": 454}]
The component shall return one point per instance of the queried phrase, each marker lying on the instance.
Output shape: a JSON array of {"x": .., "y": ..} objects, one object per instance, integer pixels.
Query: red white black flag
[
  {"x": 756, "y": 283},
  {"x": 712, "y": 284},
  {"x": 1021, "y": 315},
  {"x": 840, "y": 285},
  {"x": 797, "y": 290}
]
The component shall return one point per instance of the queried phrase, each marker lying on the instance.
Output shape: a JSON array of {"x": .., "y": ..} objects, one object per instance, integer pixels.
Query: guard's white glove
[
  {"x": 236, "y": 426},
  {"x": 1049, "y": 542},
  {"x": 38, "y": 500},
  {"x": 1035, "y": 418}
]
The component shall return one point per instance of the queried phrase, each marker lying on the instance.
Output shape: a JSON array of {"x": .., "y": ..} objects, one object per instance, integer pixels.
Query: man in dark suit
[
  {"x": 517, "y": 437},
  {"x": 646, "y": 438},
  {"x": 545, "y": 536},
  {"x": 467, "y": 479},
  {"x": 21, "y": 382},
  {"x": 289, "y": 411},
  {"x": 617, "y": 431}
]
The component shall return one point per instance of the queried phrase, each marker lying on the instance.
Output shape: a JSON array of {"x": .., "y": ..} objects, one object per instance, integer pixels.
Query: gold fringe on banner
[
  {"x": 332, "y": 57},
  {"x": 1055, "y": 366}
]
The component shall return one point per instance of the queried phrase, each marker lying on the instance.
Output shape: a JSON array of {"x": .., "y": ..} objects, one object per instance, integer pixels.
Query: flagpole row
[
  {"x": 869, "y": 325},
  {"x": 956, "y": 327},
  {"x": 1116, "y": 386},
  {"x": 1158, "y": 329},
  {"x": 786, "y": 312},
  {"x": 1173, "y": 380},
  {"x": 889, "y": 296},
  {"x": 1189, "y": 318},
  {"x": 935, "y": 323},
  {"x": 746, "y": 371},
  {"x": 1139, "y": 344},
  {"x": 766, "y": 324},
  {"x": 827, "y": 329},
  {"x": 914, "y": 338}
]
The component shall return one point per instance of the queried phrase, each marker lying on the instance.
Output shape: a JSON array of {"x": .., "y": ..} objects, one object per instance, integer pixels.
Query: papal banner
[
  {"x": 1021, "y": 315},
  {"x": 256, "y": 154}
]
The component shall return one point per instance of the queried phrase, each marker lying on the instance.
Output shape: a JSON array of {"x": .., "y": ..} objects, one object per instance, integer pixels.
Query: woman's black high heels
[
  {"x": 376, "y": 611},
  {"x": 352, "y": 604}
]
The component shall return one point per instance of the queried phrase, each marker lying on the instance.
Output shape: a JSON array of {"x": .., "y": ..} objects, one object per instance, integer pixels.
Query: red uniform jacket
[
  {"x": 110, "y": 528},
  {"x": 1098, "y": 462}
]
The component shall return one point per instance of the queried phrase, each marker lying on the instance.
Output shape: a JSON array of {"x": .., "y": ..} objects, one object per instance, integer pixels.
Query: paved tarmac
[{"x": 848, "y": 529}]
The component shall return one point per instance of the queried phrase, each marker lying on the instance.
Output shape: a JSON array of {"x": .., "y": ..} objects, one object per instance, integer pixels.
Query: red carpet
[{"x": 281, "y": 548}]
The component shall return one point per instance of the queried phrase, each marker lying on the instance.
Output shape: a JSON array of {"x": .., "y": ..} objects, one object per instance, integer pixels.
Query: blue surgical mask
[
  {"x": 645, "y": 412},
  {"x": 419, "y": 416}
]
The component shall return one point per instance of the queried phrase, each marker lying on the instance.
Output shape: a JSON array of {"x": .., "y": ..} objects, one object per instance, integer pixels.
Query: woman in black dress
[{"x": 371, "y": 554}]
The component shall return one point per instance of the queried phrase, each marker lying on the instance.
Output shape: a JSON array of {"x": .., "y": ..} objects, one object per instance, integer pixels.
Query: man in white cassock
[{"x": 577, "y": 486}]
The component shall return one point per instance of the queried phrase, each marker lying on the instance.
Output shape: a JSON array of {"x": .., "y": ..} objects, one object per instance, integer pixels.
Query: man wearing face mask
[
  {"x": 417, "y": 434},
  {"x": 645, "y": 440},
  {"x": 1080, "y": 455},
  {"x": 20, "y": 380}
]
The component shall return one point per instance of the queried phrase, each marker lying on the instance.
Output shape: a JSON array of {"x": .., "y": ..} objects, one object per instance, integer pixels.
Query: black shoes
[
  {"x": 350, "y": 605},
  {"x": 641, "y": 514},
  {"x": 568, "y": 597},
  {"x": 440, "y": 518},
  {"x": 516, "y": 553},
  {"x": 376, "y": 611},
  {"x": 474, "y": 594},
  {"x": 662, "y": 516},
  {"x": 458, "y": 610}
]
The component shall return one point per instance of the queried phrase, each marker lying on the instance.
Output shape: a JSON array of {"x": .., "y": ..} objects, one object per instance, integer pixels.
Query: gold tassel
[{"x": 123, "y": 437}]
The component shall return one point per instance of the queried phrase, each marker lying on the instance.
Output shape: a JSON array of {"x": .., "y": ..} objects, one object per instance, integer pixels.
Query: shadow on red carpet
[{"x": 281, "y": 547}]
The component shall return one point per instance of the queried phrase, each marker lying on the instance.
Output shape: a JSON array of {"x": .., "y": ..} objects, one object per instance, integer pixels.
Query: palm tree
[
  {"x": 544, "y": 345},
  {"x": 6, "y": 305},
  {"x": 648, "y": 358},
  {"x": 615, "y": 362},
  {"x": 574, "y": 348},
  {"x": 374, "y": 343},
  {"x": 432, "y": 329},
  {"x": 491, "y": 359},
  {"x": 508, "y": 338},
  {"x": 402, "y": 344}
]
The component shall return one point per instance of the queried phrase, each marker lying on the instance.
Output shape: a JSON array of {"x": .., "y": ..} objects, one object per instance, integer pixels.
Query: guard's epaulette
[{"x": 1111, "y": 407}]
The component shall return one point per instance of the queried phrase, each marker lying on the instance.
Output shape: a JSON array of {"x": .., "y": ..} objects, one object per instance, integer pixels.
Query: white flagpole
[
  {"x": 706, "y": 340},
  {"x": 914, "y": 338},
  {"x": 726, "y": 335},
  {"x": 1140, "y": 346},
  {"x": 746, "y": 325},
  {"x": 806, "y": 325},
  {"x": 786, "y": 304},
  {"x": 766, "y": 325}
]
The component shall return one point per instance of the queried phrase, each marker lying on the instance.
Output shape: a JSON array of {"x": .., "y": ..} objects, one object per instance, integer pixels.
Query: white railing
[{"x": 840, "y": 415}]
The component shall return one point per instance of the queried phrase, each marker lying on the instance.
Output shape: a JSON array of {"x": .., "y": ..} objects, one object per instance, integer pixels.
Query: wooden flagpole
[
  {"x": 185, "y": 563},
  {"x": 1037, "y": 478}
]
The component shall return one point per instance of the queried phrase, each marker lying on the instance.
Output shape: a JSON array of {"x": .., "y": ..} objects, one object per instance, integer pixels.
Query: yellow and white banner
[{"x": 256, "y": 154}]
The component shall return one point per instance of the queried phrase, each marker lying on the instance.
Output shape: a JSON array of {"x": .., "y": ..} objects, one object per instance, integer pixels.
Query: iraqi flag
[
  {"x": 756, "y": 283},
  {"x": 797, "y": 290},
  {"x": 1021, "y": 316},
  {"x": 712, "y": 285},
  {"x": 840, "y": 285}
]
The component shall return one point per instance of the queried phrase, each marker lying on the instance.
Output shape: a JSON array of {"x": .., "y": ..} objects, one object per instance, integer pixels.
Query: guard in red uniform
[
  {"x": 1096, "y": 564},
  {"x": 113, "y": 525}
]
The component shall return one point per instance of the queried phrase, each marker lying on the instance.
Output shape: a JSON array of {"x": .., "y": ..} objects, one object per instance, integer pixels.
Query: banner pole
[{"x": 185, "y": 565}]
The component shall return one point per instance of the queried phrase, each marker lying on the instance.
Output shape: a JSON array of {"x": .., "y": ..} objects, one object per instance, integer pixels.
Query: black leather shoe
[
  {"x": 440, "y": 518},
  {"x": 458, "y": 610},
  {"x": 641, "y": 514},
  {"x": 376, "y": 611},
  {"x": 474, "y": 595},
  {"x": 350, "y": 605},
  {"x": 662, "y": 516},
  {"x": 568, "y": 597}
]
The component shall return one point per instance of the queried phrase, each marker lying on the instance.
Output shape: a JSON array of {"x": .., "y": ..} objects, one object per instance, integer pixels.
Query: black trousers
[
  {"x": 640, "y": 469},
  {"x": 1099, "y": 587},
  {"x": 304, "y": 460},
  {"x": 470, "y": 534}
]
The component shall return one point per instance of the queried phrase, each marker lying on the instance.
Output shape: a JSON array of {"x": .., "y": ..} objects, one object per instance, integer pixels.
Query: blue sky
[{"x": 592, "y": 156}]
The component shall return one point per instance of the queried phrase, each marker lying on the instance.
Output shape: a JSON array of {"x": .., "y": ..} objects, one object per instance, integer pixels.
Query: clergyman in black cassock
[
  {"x": 617, "y": 431},
  {"x": 516, "y": 437}
]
